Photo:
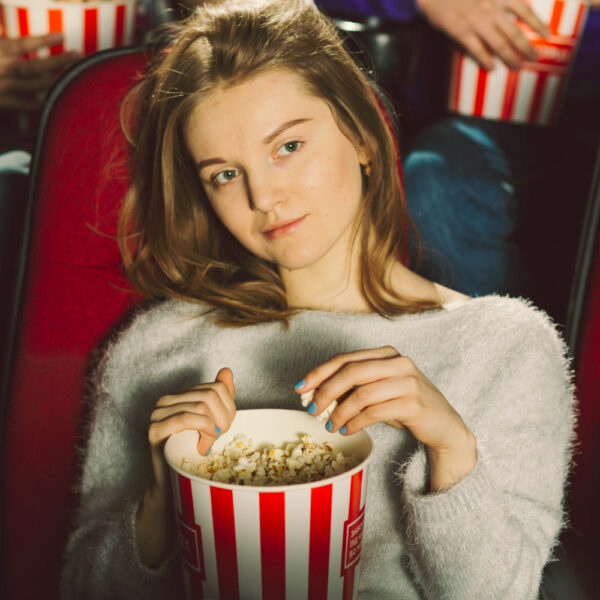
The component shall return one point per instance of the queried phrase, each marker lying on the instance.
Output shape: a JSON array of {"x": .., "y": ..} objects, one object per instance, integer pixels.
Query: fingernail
[
  {"x": 343, "y": 429},
  {"x": 312, "y": 408},
  {"x": 218, "y": 429},
  {"x": 299, "y": 385},
  {"x": 329, "y": 425}
]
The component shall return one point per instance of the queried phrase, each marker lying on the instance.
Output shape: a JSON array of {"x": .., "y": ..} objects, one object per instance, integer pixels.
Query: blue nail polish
[
  {"x": 343, "y": 429},
  {"x": 300, "y": 384},
  {"x": 329, "y": 425},
  {"x": 218, "y": 429},
  {"x": 312, "y": 408}
]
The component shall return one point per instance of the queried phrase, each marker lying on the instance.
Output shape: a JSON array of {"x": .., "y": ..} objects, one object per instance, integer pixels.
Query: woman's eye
[
  {"x": 223, "y": 177},
  {"x": 289, "y": 148}
]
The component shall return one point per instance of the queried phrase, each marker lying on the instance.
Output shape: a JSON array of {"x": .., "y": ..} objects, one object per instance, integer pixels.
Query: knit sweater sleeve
[
  {"x": 102, "y": 560},
  {"x": 490, "y": 535}
]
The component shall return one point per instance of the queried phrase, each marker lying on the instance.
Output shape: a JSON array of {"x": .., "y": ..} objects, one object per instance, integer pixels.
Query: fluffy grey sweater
[{"x": 500, "y": 363}]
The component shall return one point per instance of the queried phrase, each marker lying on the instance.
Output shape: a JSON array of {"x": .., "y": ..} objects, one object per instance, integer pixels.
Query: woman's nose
[{"x": 265, "y": 191}]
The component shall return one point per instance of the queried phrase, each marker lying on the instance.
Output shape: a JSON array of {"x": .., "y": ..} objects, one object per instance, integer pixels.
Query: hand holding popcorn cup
[
  {"x": 533, "y": 94},
  {"x": 86, "y": 26},
  {"x": 23, "y": 81}
]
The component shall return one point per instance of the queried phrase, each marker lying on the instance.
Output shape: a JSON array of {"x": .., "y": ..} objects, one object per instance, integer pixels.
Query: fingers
[
  {"x": 41, "y": 66},
  {"x": 385, "y": 412},
  {"x": 14, "y": 102},
  {"x": 160, "y": 431},
  {"x": 206, "y": 408},
  {"x": 503, "y": 46},
  {"x": 524, "y": 12},
  {"x": 25, "y": 85},
  {"x": 352, "y": 375},
  {"x": 515, "y": 39},
  {"x": 225, "y": 376},
  {"x": 18, "y": 46},
  {"x": 22, "y": 79},
  {"x": 353, "y": 379},
  {"x": 479, "y": 51},
  {"x": 395, "y": 392},
  {"x": 319, "y": 374}
]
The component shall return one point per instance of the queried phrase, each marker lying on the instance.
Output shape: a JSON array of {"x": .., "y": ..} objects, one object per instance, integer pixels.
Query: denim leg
[{"x": 460, "y": 194}]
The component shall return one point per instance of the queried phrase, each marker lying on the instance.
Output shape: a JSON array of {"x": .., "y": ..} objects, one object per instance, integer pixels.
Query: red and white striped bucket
[
  {"x": 534, "y": 94},
  {"x": 293, "y": 542},
  {"x": 86, "y": 26}
]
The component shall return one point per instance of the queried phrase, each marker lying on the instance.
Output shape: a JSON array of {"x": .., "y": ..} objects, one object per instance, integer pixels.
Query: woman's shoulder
[
  {"x": 511, "y": 322},
  {"x": 151, "y": 329}
]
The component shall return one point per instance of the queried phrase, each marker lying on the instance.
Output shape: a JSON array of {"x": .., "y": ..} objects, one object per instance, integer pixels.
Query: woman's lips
[{"x": 284, "y": 229}]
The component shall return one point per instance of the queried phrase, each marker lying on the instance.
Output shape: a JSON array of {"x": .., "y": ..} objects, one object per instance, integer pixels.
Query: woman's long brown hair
[{"x": 172, "y": 243}]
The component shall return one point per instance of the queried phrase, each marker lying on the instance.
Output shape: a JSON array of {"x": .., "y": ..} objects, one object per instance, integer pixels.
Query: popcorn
[
  {"x": 241, "y": 463},
  {"x": 306, "y": 399}
]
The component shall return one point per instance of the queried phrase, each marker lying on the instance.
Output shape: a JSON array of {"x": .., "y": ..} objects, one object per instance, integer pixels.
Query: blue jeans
[{"x": 460, "y": 193}]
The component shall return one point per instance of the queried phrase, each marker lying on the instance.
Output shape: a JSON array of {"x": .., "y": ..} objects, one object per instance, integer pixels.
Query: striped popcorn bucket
[
  {"x": 534, "y": 94},
  {"x": 292, "y": 542},
  {"x": 86, "y": 26}
]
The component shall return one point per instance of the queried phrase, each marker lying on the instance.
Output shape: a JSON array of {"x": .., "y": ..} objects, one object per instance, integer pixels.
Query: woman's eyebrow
[
  {"x": 209, "y": 161},
  {"x": 282, "y": 128},
  {"x": 215, "y": 161}
]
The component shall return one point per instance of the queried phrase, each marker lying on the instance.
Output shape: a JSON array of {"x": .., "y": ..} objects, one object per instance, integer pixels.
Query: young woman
[{"x": 267, "y": 215}]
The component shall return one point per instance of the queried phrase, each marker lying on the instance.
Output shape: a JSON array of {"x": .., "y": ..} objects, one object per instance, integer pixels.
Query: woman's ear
[{"x": 363, "y": 157}]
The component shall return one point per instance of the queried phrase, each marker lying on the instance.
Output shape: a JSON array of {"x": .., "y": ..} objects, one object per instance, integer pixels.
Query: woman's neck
[{"x": 334, "y": 284}]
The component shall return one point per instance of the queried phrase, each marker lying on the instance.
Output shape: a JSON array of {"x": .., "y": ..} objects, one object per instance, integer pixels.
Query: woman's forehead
[{"x": 255, "y": 107}]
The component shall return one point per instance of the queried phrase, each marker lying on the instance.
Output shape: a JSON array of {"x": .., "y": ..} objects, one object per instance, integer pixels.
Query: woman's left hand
[{"x": 380, "y": 385}]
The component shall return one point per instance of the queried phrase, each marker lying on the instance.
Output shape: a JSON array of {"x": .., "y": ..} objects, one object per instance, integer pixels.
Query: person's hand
[
  {"x": 380, "y": 385},
  {"x": 486, "y": 28},
  {"x": 23, "y": 81},
  {"x": 208, "y": 408}
]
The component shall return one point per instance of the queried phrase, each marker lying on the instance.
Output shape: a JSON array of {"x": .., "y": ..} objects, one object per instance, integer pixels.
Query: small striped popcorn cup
[
  {"x": 283, "y": 542},
  {"x": 86, "y": 26},
  {"x": 534, "y": 94}
]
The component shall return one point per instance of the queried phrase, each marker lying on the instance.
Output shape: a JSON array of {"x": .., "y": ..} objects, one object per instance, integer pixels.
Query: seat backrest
[
  {"x": 583, "y": 334},
  {"x": 71, "y": 291}
]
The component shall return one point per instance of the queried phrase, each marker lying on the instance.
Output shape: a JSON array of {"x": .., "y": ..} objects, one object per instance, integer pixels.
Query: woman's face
[{"x": 281, "y": 176}]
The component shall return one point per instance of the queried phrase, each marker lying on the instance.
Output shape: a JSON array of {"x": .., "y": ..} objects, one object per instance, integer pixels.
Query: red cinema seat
[
  {"x": 583, "y": 333},
  {"x": 70, "y": 292}
]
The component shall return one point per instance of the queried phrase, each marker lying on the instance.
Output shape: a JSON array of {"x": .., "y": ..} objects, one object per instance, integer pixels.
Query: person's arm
[
  {"x": 24, "y": 81},
  {"x": 208, "y": 408},
  {"x": 490, "y": 535},
  {"x": 122, "y": 544},
  {"x": 102, "y": 559},
  {"x": 482, "y": 497}
]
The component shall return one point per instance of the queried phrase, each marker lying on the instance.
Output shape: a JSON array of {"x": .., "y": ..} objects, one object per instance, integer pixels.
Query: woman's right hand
[{"x": 208, "y": 408}]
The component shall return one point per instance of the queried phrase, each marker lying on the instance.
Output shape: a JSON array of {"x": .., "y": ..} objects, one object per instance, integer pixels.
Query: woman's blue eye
[
  {"x": 225, "y": 176},
  {"x": 289, "y": 148}
]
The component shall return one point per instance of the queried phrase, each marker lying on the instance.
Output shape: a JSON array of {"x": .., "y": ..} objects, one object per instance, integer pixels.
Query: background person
[{"x": 486, "y": 196}]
